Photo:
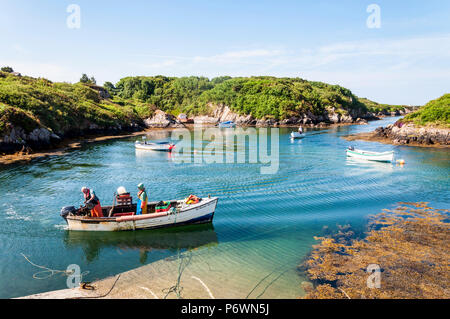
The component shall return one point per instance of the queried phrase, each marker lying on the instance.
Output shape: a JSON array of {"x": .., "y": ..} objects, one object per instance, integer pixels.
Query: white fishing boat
[
  {"x": 123, "y": 217},
  {"x": 371, "y": 156},
  {"x": 296, "y": 135},
  {"x": 154, "y": 146}
]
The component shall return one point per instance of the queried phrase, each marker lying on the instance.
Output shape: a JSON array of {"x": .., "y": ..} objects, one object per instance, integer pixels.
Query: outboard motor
[{"x": 65, "y": 211}]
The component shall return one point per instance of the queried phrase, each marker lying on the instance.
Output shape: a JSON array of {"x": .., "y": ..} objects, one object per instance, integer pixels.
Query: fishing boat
[
  {"x": 123, "y": 217},
  {"x": 227, "y": 124},
  {"x": 297, "y": 135},
  {"x": 371, "y": 156},
  {"x": 154, "y": 146}
]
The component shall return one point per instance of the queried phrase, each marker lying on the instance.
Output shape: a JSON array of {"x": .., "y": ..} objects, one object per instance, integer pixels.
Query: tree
[
  {"x": 7, "y": 69},
  {"x": 84, "y": 78},
  {"x": 110, "y": 88}
]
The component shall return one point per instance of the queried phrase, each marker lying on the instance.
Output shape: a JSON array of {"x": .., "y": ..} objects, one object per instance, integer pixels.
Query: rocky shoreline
[
  {"x": 25, "y": 155},
  {"x": 407, "y": 134},
  {"x": 19, "y": 146},
  {"x": 223, "y": 113}
]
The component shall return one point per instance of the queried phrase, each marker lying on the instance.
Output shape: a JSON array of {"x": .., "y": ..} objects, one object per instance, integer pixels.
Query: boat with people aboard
[
  {"x": 371, "y": 156},
  {"x": 227, "y": 124},
  {"x": 126, "y": 215},
  {"x": 154, "y": 146},
  {"x": 297, "y": 135}
]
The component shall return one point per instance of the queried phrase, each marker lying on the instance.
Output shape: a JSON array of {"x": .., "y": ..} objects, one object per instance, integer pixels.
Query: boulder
[
  {"x": 206, "y": 120},
  {"x": 162, "y": 120},
  {"x": 223, "y": 113},
  {"x": 266, "y": 123},
  {"x": 334, "y": 117},
  {"x": 17, "y": 139}
]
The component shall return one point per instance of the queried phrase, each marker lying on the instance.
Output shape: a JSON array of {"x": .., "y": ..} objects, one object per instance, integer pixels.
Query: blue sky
[{"x": 406, "y": 61}]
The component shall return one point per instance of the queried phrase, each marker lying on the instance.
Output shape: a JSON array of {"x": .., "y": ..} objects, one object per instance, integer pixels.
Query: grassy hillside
[
  {"x": 270, "y": 97},
  {"x": 435, "y": 112},
  {"x": 61, "y": 107},
  {"x": 70, "y": 108},
  {"x": 281, "y": 98},
  {"x": 377, "y": 107}
]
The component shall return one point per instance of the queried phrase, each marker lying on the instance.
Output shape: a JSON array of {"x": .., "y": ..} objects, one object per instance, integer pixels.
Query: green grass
[
  {"x": 60, "y": 107},
  {"x": 435, "y": 112}
]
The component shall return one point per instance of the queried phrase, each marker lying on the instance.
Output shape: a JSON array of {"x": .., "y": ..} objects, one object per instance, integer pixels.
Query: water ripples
[{"x": 264, "y": 223}]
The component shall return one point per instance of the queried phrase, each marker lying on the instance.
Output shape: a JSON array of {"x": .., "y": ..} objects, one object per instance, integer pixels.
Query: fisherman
[
  {"x": 300, "y": 130},
  {"x": 91, "y": 200},
  {"x": 142, "y": 200}
]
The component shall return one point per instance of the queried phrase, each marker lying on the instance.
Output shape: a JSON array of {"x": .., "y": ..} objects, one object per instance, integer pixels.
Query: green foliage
[
  {"x": 376, "y": 107},
  {"x": 110, "y": 88},
  {"x": 86, "y": 80},
  {"x": 280, "y": 98},
  {"x": 435, "y": 112},
  {"x": 17, "y": 116},
  {"x": 61, "y": 107},
  {"x": 172, "y": 95},
  {"x": 64, "y": 107},
  {"x": 7, "y": 69},
  {"x": 272, "y": 97}
]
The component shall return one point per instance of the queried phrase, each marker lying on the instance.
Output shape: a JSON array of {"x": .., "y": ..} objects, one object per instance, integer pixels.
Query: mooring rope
[
  {"x": 270, "y": 283},
  {"x": 177, "y": 288},
  {"x": 101, "y": 296},
  {"x": 51, "y": 272}
]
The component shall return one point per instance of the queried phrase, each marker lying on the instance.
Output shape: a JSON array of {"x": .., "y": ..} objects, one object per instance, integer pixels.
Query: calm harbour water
[{"x": 262, "y": 222}]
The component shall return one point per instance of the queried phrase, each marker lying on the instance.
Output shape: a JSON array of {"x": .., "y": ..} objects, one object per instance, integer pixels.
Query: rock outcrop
[
  {"x": 162, "y": 120},
  {"x": 205, "y": 120},
  {"x": 222, "y": 113},
  {"x": 408, "y": 133},
  {"x": 17, "y": 139}
]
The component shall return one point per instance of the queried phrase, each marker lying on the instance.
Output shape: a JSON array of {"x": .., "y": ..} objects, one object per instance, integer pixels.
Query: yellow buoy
[{"x": 401, "y": 161}]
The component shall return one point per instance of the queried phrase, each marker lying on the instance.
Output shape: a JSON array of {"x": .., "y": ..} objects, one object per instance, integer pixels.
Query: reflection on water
[
  {"x": 359, "y": 163},
  {"x": 173, "y": 239},
  {"x": 153, "y": 155}
]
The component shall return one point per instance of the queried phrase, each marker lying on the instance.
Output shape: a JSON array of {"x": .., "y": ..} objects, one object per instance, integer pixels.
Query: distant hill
[
  {"x": 36, "y": 109},
  {"x": 265, "y": 96}
]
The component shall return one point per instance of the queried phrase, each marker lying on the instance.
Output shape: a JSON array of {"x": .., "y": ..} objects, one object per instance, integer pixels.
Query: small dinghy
[
  {"x": 297, "y": 135},
  {"x": 160, "y": 214},
  {"x": 227, "y": 124},
  {"x": 371, "y": 156},
  {"x": 153, "y": 146}
]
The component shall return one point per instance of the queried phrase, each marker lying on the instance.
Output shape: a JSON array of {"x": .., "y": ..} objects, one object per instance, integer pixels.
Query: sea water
[{"x": 263, "y": 228}]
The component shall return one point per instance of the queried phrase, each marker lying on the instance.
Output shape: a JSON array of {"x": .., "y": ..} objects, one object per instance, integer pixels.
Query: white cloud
[{"x": 386, "y": 70}]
